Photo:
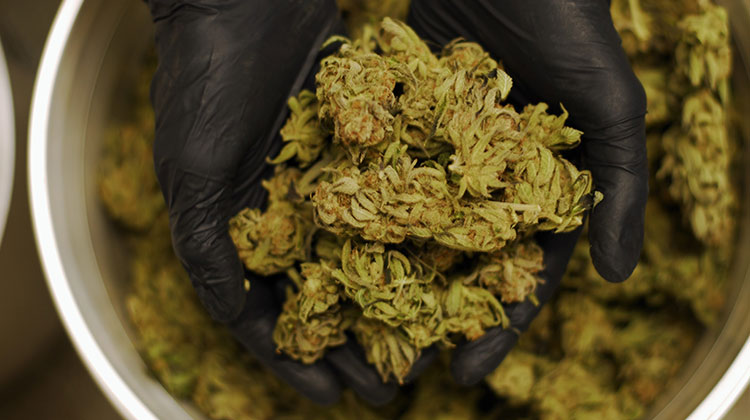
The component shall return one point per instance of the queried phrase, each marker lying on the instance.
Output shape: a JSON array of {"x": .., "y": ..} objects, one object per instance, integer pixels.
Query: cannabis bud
[
  {"x": 697, "y": 149},
  {"x": 417, "y": 193}
]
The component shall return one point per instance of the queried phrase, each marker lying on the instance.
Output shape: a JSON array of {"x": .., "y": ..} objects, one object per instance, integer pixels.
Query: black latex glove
[
  {"x": 226, "y": 68},
  {"x": 560, "y": 51}
]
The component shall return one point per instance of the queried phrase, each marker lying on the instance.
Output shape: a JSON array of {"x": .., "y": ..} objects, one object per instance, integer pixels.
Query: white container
[
  {"x": 7, "y": 143},
  {"x": 91, "y": 54}
]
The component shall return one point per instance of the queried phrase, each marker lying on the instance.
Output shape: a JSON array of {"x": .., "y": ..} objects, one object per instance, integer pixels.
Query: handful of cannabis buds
[{"x": 404, "y": 200}]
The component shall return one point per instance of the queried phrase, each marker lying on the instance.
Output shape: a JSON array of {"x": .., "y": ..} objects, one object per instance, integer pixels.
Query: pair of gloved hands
[{"x": 226, "y": 68}]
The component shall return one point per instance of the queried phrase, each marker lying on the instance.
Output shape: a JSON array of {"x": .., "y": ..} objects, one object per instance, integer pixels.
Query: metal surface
[
  {"x": 61, "y": 125},
  {"x": 7, "y": 142},
  {"x": 89, "y": 60}
]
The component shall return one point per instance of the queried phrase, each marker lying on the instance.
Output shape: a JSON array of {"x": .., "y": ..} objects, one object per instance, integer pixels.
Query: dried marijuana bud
[
  {"x": 649, "y": 28},
  {"x": 585, "y": 330},
  {"x": 227, "y": 389},
  {"x": 650, "y": 356},
  {"x": 438, "y": 258},
  {"x": 570, "y": 390},
  {"x": 407, "y": 151},
  {"x": 311, "y": 320},
  {"x": 516, "y": 376},
  {"x": 356, "y": 97},
  {"x": 270, "y": 242},
  {"x": 319, "y": 292},
  {"x": 403, "y": 201},
  {"x": 385, "y": 284},
  {"x": 697, "y": 160},
  {"x": 306, "y": 336},
  {"x": 389, "y": 349},
  {"x": 302, "y": 134},
  {"x": 127, "y": 184},
  {"x": 436, "y": 382},
  {"x": 697, "y": 149},
  {"x": 470, "y": 310},
  {"x": 513, "y": 272},
  {"x": 396, "y": 191},
  {"x": 703, "y": 53}
]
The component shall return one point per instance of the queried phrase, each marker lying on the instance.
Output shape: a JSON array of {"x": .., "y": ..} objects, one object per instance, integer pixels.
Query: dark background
[{"x": 41, "y": 376}]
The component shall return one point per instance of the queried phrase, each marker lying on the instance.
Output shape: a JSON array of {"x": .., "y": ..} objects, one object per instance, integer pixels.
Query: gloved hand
[
  {"x": 560, "y": 51},
  {"x": 226, "y": 68}
]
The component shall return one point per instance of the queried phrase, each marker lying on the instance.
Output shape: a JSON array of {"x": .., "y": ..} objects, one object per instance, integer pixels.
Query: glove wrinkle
[
  {"x": 612, "y": 149},
  {"x": 357, "y": 374},
  {"x": 168, "y": 9},
  {"x": 198, "y": 228},
  {"x": 472, "y": 361},
  {"x": 425, "y": 360}
]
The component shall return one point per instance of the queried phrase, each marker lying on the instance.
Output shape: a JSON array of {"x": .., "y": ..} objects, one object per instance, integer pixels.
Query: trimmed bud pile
[
  {"x": 404, "y": 200},
  {"x": 683, "y": 56}
]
